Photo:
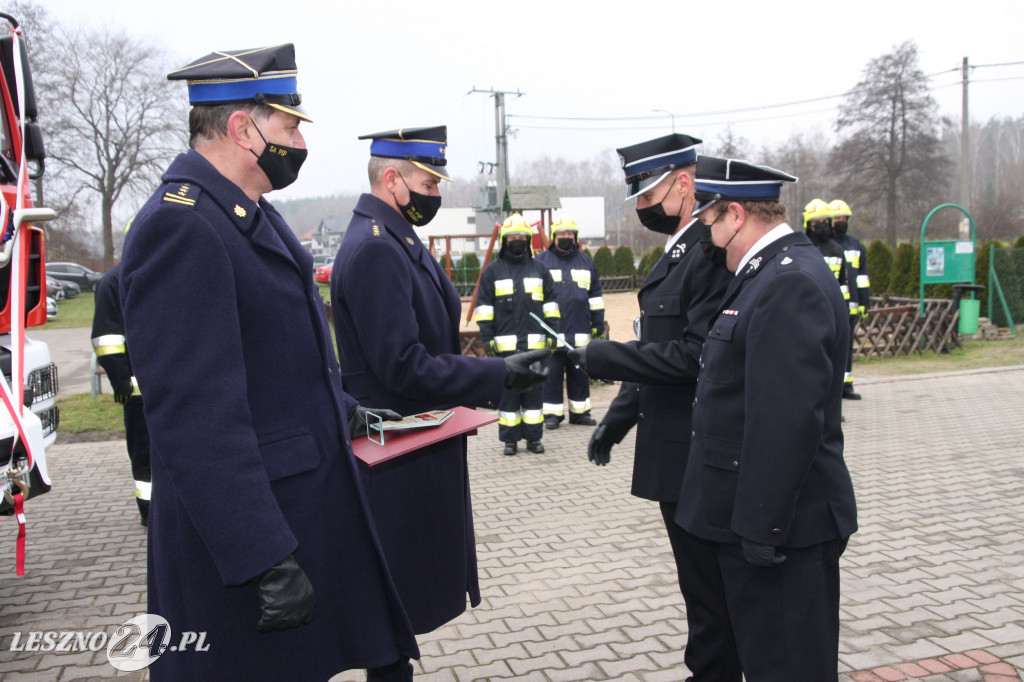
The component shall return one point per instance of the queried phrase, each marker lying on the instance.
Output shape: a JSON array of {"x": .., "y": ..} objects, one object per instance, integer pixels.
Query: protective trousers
[
  {"x": 137, "y": 440},
  {"x": 520, "y": 415},
  {"x": 577, "y": 385}
]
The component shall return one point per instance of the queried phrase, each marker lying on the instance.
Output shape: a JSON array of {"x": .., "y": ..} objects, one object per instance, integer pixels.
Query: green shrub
[
  {"x": 648, "y": 260},
  {"x": 879, "y": 257},
  {"x": 624, "y": 261},
  {"x": 605, "y": 262},
  {"x": 904, "y": 278}
]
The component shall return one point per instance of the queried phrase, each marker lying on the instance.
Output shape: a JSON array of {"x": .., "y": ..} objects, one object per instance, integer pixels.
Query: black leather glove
[
  {"x": 524, "y": 371},
  {"x": 760, "y": 555},
  {"x": 578, "y": 357},
  {"x": 285, "y": 596},
  {"x": 122, "y": 392},
  {"x": 599, "y": 450},
  {"x": 357, "y": 420}
]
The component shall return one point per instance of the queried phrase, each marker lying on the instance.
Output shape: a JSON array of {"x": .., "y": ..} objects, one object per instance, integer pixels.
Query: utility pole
[
  {"x": 965, "y": 150},
  {"x": 500, "y": 142}
]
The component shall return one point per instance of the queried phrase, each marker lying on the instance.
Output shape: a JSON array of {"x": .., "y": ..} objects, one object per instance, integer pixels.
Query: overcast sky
[{"x": 370, "y": 66}]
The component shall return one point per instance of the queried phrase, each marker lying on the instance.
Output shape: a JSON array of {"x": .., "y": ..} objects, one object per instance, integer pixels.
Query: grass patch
[
  {"x": 81, "y": 413},
  {"x": 973, "y": 355},
  {"x": 73, "y": 313}
]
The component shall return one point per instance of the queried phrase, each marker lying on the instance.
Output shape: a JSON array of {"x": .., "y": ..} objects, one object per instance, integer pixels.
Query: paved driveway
[{"x": 577, "y": 577}]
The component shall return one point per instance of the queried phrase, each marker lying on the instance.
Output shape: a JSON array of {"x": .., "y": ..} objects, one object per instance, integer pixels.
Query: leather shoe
[
  {"x": 585, "y": 420},
  {"x": 535, "y": 446},
  {"x": 848, "y": 394},
  {"x": 510, "y": 449},
  {"x": 551, "y": 423}
]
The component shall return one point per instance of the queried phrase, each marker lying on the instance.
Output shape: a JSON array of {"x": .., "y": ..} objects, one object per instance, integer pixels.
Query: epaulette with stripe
[{"x": 185, "y": 194}]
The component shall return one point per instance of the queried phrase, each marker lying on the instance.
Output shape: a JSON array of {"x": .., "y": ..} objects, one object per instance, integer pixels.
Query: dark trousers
[
  {"x": 520, "y": 415},
  {"x": 577, "y": 385},
  {"x": 399, "y": 671},
  {"x": 786, "y": 617},
  {"x": 848, "y": 379},
  {"x": 137, "y": 440},
  {"x": 711, "y": 653}
]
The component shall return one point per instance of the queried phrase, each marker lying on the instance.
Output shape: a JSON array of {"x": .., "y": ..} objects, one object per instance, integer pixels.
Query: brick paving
[{"x": 577, "y": 577}]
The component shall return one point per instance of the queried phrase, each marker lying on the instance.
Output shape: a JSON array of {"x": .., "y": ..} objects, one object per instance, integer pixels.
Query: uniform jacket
[
  {"x": 578, "y": 291},
  {"x": 766, "y": 461},
  {"x": 250, "y": 447},
  {"x": 108, "y": 340},
  {"x": 510, "y": 289},
  {"x": 834, "y": 257},
  {"x": 396, "y": 318},
  {"x": 857, "y": 259},
  {"x": 677, "y": 301}
]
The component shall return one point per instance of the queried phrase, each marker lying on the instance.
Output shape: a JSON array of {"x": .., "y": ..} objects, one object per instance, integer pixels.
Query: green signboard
[{"x": 949, "y": 260}]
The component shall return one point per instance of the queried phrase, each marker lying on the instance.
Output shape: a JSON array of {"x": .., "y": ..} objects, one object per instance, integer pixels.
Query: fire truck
[{"x": 28, "y": 416}]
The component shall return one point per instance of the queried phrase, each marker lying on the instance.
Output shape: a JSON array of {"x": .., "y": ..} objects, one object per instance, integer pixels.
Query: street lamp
[{"x": 662, "y": 111}]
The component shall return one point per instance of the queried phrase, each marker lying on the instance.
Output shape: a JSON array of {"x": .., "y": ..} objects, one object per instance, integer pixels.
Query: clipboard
[{"x": 399, "y": 443}]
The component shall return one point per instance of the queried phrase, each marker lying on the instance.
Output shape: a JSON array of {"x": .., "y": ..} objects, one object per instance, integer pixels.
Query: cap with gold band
[
  {"x": 423, "y": 147},
  {"x": 266, "y": 75}
]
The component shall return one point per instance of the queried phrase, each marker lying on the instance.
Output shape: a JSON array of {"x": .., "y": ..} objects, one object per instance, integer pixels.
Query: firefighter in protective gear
[
  {"x": 581, "y": 306},
  {"x": 860, "y": 284},
  {"x": 818, "y": 226},
  {"x": 111, "y": 350},
  {"x": 511, "y": 287}
]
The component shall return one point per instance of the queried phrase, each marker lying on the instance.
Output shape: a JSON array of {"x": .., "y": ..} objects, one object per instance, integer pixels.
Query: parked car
[
  {"x": 54, "y": 288},
  {"x": 61, "y": 288},
  {"x": 323, "y": 274},
  {"x": 85, "y": 278},
  {"x": 51, "y": 307}
]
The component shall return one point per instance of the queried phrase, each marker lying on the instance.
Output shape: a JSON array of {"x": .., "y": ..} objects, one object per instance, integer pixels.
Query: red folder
[{"x": 397, "y": 443}]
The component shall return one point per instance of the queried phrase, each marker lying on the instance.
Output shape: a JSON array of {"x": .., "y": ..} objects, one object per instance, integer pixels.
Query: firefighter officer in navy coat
[
  {"x": 259, "y": 533},
  {"x": 396, "y": 316},
  {"x": 659, "y": 374},
  {"x": 766, "y": 480}
]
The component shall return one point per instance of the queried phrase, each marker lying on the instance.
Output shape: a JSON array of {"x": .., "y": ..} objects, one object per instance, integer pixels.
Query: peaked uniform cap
[
  {"x": 424, "y": 147},
  {"x": 266, "y": 75},
  {"x": 737, "y": 180},
  {"x": 648, "y": 163}
]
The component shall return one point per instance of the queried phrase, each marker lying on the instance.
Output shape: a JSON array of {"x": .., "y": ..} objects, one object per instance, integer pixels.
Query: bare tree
[
  {"x": 111, "y": 119},
  {"x": 890, "y": 150}
]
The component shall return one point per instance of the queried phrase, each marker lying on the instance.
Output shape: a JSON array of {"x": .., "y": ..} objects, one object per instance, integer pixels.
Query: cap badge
[{"x": 239, "y": 211}]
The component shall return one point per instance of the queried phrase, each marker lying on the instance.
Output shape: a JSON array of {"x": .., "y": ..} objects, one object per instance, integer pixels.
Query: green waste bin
[{"x": 969, "y": 310}]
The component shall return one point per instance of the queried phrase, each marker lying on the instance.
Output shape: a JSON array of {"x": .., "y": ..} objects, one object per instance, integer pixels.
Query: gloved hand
[
  {"x": 285, "y": 596},
  {"x": 357, "y": 420},
  {"x": 491, "y": 348},
  {"x": 524, "y": 371},
  {"x": 122, "y": 392},
  {"x": 596, "y": 333},
  {"x": 599, "y": 450},
  {"x": 578, "y": 357},
  {"x": 760, "y": 555},
  {"x": 863, "y": 312}
]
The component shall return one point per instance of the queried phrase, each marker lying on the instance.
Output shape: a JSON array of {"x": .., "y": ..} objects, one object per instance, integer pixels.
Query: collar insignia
[
  {"x": 786, "y": 261},
  {"x": 239, "y": 211},
  {"x": 410, "y": 240},
  {"x": 755, "y": 263},
  {"x": 376, "y": 231}
]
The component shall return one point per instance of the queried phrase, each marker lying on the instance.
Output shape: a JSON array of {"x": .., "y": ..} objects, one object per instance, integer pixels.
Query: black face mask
[
  {"x": 819, "y": 234},
  {"x": 565, "y": 243},
  {"x": 839, "y": 227},
  {"x": 655, "y": 219},
  {"x": 516, "y": 247},
  {"x": 715, "y": 254},
  {"x": 421, "y": 208},
  {"x": 279, "y": 163}
]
